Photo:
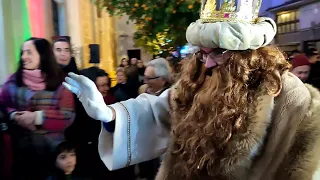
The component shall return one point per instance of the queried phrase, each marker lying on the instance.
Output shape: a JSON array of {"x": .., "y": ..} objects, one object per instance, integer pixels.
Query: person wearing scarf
[{"x": 39, "y": 105}]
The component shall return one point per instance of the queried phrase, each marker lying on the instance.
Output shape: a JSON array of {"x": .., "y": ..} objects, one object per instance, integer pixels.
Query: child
[{"x": 65, "y": 161}]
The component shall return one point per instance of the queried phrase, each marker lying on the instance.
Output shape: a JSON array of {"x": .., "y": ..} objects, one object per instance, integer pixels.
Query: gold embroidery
[
  {"x": 230, "y": 11},
  {"x": 128, "y": 135}
]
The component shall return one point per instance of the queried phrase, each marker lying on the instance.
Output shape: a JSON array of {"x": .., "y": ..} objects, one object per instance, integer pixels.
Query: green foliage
[{"x": 161, "y": 24}]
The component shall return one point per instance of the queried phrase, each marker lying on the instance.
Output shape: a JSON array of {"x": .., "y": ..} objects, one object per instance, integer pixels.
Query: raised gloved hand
[{"x": 89, "y": 96}]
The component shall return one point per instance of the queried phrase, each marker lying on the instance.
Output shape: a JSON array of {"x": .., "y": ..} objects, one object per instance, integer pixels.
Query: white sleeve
[{"x": 141, "y": 131}]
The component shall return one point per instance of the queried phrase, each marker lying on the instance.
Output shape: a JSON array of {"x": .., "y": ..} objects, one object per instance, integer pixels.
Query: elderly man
[{"x": 157, "y": 77}]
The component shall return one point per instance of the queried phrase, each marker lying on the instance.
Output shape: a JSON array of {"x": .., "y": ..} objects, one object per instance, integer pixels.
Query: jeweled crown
[{"x": 230, "y": 10}]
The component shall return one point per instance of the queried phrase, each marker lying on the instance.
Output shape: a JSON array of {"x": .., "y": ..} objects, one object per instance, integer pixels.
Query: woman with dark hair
[
  {"x": 63, "y": 53},
  {"x": 36, "y": 56},
  {"x": 124, "y": 63},
  {"x": 127, "y": 86},
  {"x": 39, "y": 105}
]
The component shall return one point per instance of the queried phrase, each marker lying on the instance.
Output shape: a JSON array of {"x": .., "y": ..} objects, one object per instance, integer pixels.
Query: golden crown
[{"x": 230, "y": 10}]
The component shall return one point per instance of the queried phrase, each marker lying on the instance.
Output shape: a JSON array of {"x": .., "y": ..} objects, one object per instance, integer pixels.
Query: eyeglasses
[
  {"x": 215, "y": 52},
  {"x": 148, "y": 79}
]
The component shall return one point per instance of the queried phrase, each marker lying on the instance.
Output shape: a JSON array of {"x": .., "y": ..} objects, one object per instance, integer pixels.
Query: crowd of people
[
  {"x": 49, "y": 132},
  {"x": 232, "y": 112}
]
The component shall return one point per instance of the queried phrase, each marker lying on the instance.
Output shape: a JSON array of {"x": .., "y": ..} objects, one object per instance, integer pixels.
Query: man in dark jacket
[
  {"x": 63, "y": 53},
  {"x": 314, "y": 58}
]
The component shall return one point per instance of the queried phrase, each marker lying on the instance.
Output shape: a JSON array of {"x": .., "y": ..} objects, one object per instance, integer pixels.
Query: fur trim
[
  {"x": 243, "y": 148},
  {"x": 302, "y": 160},
  {"x": 290, "y": 108},
  {"x": 282, "y": 140}
]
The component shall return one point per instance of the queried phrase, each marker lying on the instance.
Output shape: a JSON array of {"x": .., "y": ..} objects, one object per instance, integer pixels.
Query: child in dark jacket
[{"x": 65, "y": 160}]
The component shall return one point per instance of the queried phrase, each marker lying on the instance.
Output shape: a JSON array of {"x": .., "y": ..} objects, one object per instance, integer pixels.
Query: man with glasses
[
  {"x": 235, "y": 112},
  {"x": 157, "y": 77}
]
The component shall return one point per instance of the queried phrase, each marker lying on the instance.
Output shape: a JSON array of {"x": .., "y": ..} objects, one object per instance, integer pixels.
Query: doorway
[{"x": 134, "y": 53}]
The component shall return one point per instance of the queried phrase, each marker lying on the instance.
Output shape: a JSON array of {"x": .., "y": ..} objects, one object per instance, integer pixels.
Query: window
[{"x": 288, "y": 21}]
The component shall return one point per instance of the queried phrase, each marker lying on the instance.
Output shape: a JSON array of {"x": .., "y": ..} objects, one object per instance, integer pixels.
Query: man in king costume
[{"x": 235, "y": 113}]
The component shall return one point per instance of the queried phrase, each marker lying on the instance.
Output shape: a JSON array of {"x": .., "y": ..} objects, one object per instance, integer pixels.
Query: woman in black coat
[{"x": 127, "y": 86}]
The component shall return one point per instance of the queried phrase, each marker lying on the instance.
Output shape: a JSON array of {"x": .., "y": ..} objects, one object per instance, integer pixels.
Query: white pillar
[
  {"x": 11, "y": 37},
  {"x": 74, "y": 28}
]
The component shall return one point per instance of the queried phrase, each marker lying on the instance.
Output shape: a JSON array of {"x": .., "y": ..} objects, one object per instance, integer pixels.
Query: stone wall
[
  {"x": 125, "y": 39},
  {"x": 74, "y": 28}
]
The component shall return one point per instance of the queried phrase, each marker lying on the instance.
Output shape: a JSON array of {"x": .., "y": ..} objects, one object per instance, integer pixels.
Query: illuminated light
[
  {"x": 285, "y": 15},
  {"x": 36, "y": 12},
  {"x": 184, "y": 49},
  {"x": 26, "y": 30},
  {"x": 26, "y": 21},
  {"x": 316, "y": 10}
]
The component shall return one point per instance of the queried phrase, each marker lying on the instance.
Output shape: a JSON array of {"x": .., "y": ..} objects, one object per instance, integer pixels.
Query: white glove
[{"x": 89, "y": 96}]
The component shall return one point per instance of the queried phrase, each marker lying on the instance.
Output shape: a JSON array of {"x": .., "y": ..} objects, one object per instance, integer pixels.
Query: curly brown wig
[{"x": 210, "y": 110}]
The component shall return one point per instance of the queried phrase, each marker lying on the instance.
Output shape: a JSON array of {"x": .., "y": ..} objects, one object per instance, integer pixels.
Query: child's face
[{"x": 66, "y": 161}]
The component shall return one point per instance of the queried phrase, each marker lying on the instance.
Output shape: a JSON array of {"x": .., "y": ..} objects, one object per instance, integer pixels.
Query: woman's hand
[
  {"x": 26, "y": 119},
  {"x": 89, "y": 96}
]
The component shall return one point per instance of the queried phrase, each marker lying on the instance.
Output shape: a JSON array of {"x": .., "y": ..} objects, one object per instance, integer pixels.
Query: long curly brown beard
[{"x": 211, "y": 109}]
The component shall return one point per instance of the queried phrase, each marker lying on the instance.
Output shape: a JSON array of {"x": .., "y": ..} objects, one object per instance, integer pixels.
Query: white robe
[{"x": 141, "y": 134}]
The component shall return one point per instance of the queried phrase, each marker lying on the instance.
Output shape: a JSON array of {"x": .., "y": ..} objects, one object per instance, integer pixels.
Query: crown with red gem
[{"x": 230, "y": 10}]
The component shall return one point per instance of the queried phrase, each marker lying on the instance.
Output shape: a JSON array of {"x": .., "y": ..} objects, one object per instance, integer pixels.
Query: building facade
[
  {"x": 125, "y": 42},
  {"x": 298, "y": 23},
  {"x": 20, "y": 20},
  {"x": 82, "y": 20},
  {"x": 87, "y": 24}
]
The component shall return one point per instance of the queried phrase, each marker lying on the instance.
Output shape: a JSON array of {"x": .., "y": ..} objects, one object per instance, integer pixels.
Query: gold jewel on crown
[{"x": 230, "y": 11}]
